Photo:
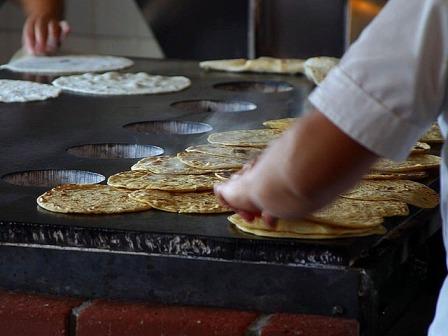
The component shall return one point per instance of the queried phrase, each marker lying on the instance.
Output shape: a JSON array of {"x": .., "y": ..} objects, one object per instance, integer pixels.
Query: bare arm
[
  {"x": 299, "y": 173},
  {"x": 44, "y": 29}
]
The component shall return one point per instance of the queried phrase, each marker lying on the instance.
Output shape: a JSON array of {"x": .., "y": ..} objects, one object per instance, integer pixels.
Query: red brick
[
  {"x": 309, "y": 325},
  {"x": 34, "y": 315},
  {"x": 119, "y": 319}
]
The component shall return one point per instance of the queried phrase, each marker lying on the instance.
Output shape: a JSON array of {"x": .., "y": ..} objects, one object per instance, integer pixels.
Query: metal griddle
[{"x": 187, "y": 259}]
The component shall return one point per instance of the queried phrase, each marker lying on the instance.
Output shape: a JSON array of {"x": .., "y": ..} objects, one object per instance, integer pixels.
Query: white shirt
[{"x": 390, "y": 87}]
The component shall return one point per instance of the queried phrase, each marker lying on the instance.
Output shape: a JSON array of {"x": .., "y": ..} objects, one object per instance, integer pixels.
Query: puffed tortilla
[
  {"x": 18, "y": 91},
  {"x": 317, "y": 68},
  {"x": 114, "y": 83},
  {"x": 166, "y": 164},
  {"x": 249, "y": 138},
  {"x": 411, "y": 192},
  {"x": 187, "y": 202},
  {"x": 301, "y": 229},
  {"x": 413, "y": 163},
  {"x": 68, "y": 64},
  {"x": 420, "y": 148},
  {"x": 92, "y": 199},
  {"x": 139, "y": 179}
]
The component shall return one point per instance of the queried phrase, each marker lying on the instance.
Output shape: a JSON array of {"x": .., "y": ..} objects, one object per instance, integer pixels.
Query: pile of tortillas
[
  {"x": 314, "y": 68},
  {"x": 183, "y": 183},
  {"x": 97, "y": 76}
]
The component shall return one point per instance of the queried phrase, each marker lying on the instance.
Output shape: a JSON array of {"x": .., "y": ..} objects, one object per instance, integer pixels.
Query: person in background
[
  {"x": 44, "y": 29},
  {"x": 388, "y": 89}
]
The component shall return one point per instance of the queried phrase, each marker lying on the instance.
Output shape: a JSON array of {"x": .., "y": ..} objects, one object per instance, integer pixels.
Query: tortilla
[
  {"x": 224, "y": 175},
  {"x": 280, "y": 124},
  {"x": 114, "y": 83},
  {"x": 413, "y": 163},
  {"x": 146, "y": 180},
  {"x": 414, "y": 175},
  {"x": 246, "y": 153},
  {"x": 250, "y": 138},
  {"x": 166, "y": 164},
  {"x": 12, "y": 91},
  {"x": 433, "y": 135},
  {"x": 198, "y": 202},
  {"x": 259, "y": 65},
  {"x": 317, "y": 68},
  {"x": 302, "y": 229},
  {"x": 351, "y": 213},
  {"x": 92, "y": 199},
  {"x": 69, "y": 64},
  {"x": 207, "y": 161},
  {"x": 411, "y": 192},
  {"x": 420, "y": 148}
]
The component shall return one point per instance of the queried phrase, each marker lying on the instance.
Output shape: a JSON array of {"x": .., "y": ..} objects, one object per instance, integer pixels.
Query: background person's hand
[{"x": 43, "y": 35}]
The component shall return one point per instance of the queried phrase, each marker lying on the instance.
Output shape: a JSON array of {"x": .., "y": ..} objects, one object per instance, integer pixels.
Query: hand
[
  {"x": 43, "y": 35},
  {"x": 298, "y": 173}
]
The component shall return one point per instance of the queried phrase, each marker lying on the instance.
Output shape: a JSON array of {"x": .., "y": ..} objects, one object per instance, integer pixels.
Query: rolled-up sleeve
[{"x": 390, "y": 85}]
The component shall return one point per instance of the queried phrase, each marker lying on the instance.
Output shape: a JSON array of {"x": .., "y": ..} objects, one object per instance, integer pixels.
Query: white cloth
[{"x": 388, "y": 89}]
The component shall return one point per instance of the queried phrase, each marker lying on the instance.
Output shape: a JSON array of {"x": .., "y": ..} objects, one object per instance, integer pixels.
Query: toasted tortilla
[
  {"x": 249, "y": 138},
  {"x": 302, "y": 229},
  {"x": 92, "y": 199},
  {"x": 411, "y": 192},
  {"x": 207, "y": 161},
  {"x": 188, "y": 202},
  {"x": 260, "y": 65},
  {"x": 413, "y": 163},
  {"x": 433, "y": 135},
  {"x": 414, "y": 175},
  {"x": 166, "y": 164},
  {"x": 280, "y": 124},
  {"x": 317, "y": 68},
  {"x": 139, "y": 179},
  {"x": 246, "y": 153}
]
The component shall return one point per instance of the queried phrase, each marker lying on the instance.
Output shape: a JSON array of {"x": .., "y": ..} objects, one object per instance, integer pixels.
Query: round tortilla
[
  {"x": 411, "y": 192},
  {"x": 420, "y": 148},
  {"x": 246, "y": 153},
  {"x": 358, "y": 214},
  {"x": 166, "y": 164},
  {"x": 207, "y": 161},
  {"x": 302, "y": 229},
  {"x": 414, "y": 175},
  {"x": 114, "y": 83},
  {"x": 146, "y": 180},
  {"x": 92, "y": 199},
  {"x": 433, "y": 135},
  {"x": 280, "y": 124},
  {"x": 69, "y": 64},
  {"x": 198, "y": 202},
  {"x": 413, "y": 163},
  {"x": 246, "y": 138},
  {"x": 317, "y": 68},
  {"x": 13, "y": 91}
]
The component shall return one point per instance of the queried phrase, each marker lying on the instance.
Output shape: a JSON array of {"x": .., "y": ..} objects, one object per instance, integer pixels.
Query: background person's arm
[{"x": 44, "y": 29}]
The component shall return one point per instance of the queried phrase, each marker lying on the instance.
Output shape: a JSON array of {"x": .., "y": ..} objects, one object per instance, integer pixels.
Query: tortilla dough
[
  {"x": 12, "y": 91},
  {"x": 69, "y": 64},
  {"x": 114, "y": 83}
]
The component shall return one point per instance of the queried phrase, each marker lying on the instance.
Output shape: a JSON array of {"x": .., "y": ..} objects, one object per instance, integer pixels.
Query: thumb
[{"x": 236, "y": 193}]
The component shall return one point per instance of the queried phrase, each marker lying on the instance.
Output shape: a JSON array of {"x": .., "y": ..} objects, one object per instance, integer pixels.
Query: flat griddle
[{"x": 177, "y": 258}]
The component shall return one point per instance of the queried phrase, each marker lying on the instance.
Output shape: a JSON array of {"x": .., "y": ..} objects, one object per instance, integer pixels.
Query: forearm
[{"x": 52, "y": 8}]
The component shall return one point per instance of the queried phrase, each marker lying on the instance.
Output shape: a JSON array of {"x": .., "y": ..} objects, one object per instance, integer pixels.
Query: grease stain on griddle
[
  {"x": 169, "y": 127},
  {"x": 114, "y": 151},
  {"x": 255, "y": 86},
  {"x": 52, "y": 177},
  {"x": 214, "y": 106}
]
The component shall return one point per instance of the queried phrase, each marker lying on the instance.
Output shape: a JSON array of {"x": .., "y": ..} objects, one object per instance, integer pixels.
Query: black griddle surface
[{"x": 36, "y": 135}]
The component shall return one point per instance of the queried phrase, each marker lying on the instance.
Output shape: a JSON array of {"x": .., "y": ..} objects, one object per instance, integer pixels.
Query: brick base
[{"x": 35, "y": 315}]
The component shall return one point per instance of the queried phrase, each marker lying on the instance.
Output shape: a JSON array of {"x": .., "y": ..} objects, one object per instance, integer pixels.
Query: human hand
[{"x": 43, "y": 35}]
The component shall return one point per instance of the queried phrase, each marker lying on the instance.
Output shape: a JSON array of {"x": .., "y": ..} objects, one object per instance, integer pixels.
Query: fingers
[{"x": 43, "y": 36}]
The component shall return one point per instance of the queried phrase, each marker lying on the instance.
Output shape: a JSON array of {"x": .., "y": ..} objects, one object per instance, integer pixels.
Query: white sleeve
[{"x": 390, "y": 85}]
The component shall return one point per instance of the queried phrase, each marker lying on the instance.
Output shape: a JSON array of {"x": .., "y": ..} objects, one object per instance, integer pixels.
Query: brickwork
[{"x": 37, "y": 315}]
